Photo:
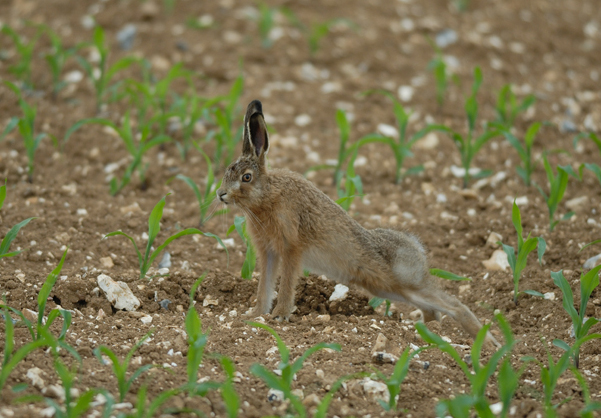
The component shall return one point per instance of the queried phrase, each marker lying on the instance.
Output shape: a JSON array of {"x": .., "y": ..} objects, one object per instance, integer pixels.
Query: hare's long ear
[{"x": 255, "y": 137}]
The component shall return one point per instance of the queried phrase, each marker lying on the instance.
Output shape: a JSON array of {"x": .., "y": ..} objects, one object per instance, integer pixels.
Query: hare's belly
[{"x": 334, "y": 265}]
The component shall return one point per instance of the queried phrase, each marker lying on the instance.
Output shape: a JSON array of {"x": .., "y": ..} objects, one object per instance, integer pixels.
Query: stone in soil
[{"x": 118, "y": 293}]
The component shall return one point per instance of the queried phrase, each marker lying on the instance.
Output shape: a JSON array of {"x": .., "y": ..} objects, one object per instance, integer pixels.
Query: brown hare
[{"x": 294, "y": 225}]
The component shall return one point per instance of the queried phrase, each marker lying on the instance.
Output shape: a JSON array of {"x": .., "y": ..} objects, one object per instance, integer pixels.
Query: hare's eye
[{"x": 247, "y": 177}]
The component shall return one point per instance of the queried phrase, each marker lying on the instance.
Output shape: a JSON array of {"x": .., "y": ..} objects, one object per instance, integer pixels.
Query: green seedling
[
  {"x": 353, "y": 186},
  {"x": 587, "y": 245},
  {"x": 318, "y": 31},
  {"x": 12, "y": 358},
  {"x": 151, "y": 98},
  {"x": 26, "y": 128},
  {"x": 557, "y": 187},
  {"x": 25, "y": 50},
  {"x": 481, "y": 372},
  {"x": 227, "y": 137},
  {"x": 145, "y": 410},
  {"x": 447, "y": 275},
  {"x": 581, "y": 324},
  {"x": 402, "y": 146},
  {"x": 589, "y": 406},
  {"x": 12, "y": 124},
  {"x": 443, "y": 274},
  {"x": 459, "y": 407},
  {"x": 102, "y": 76},
  {"x": 56, "y": 59},
  {"x": 524, "y": 151},
  {"x": 550, "y": 373},
  {"x": 517, "y": 261},
  {"x": 594, "y": 168},
  {"x": 197, "y": 340},
  {"x": 441, "y": 75},
  {"x": 461, "y": 5},
  {"x": 41, "y": 329},
  {"x": 393, "y": 383},
  {"x": 324, "y": 405},
  {"x": 345, "y": 150},
  {"x": 375, "y": 302},
  {"x": 12, "y": 233},
  {"x": 120, "y": 368},
  {"x": 191, "y": 111},
  {"x": 228, "y": 392},
  {"x": 154, "y": 226},
  {"x": 265, "y": 22},
  {"x": 508, "y": 108},
  {"x": 204, "y": 199},
  {"x": 508, "y": 381},
  {"x": 250, "y": 260},
  {"x": 71, "y": 408},
  {"x": 470, "y": 144},
  {"x": 283, "y": 381},
  {"x": 136, "y": 148}
]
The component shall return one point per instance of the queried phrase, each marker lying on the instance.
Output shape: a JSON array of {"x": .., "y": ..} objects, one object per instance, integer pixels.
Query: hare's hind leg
[
  {"x": 268, "y": 267},
  {"x": 433, "y": 301}
]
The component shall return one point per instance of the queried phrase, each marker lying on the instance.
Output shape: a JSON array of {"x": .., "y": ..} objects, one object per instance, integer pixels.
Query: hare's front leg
[
  {"x": 268, "y": 266},
  {"x": 291, "y": 264}
]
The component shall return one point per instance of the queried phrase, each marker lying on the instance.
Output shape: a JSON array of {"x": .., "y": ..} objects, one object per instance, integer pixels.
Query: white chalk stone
[{"x": 118, "y": 293}]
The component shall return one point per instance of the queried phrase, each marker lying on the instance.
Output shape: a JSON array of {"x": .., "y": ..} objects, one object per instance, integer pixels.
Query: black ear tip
[{"x": 255, "y": 107}]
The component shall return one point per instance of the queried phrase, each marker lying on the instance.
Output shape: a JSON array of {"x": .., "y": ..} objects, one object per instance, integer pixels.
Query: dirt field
[{"x": 545, "y": 47}]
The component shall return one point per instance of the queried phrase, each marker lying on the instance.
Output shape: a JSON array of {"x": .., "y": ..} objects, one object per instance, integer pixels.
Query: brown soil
[{"x": 560, "y": 64}]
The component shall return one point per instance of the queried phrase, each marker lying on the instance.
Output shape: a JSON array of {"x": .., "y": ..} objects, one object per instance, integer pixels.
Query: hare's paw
[
  {"x": 253, "y": 313},
  {"x": 281, "y": 314}
]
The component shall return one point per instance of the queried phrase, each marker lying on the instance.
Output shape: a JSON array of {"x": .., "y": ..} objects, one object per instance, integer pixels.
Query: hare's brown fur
[{"x": 294, "y": 225}]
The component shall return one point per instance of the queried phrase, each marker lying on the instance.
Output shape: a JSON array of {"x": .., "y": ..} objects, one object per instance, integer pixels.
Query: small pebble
[
  {"x": 165, "y": 303},
  {"x": 165, "y": 261},
  {"x": 126, "y": 36}
]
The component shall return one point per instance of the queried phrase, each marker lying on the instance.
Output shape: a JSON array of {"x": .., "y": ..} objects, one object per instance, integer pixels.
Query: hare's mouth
[{"x": 223, "y": 197}]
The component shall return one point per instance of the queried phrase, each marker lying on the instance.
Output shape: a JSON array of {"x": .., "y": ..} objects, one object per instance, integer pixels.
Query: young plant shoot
[
  {"x": 581, "y": 324},
  {"x": 469, "y": 145},
  {"x": 524, "y": 151},
  {"x": 154, "y": 226},
  {"x": 517, "y": 261},
  {"x": 557, "y": 187},
  {"x": 250, "y": 260}
]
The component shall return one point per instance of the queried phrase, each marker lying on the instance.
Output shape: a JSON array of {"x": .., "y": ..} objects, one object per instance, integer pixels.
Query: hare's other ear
[{"x": 256, "y": 139}]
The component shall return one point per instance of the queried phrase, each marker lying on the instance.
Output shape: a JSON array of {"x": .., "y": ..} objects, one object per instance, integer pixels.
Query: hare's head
[{"x": 245, "y": 178}]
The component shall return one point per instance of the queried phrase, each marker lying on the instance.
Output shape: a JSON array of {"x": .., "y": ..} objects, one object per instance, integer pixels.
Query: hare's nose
[{"x": 222, "y": 195}]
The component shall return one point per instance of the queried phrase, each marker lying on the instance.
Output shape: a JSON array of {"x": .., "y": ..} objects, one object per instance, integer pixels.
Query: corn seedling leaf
[
  {"x": 140, "y": 258},
  {"x": 594, "y": 168},
  {"x": 447, "y": 275},
  {"x": 590, "y": 243},
  {"x": 188, "y": 231},
  {"x": 282, "y": 349},
  {"x": 533, "y": 293},
  {"x": 568, "y": 298},
  {"x": 542, "y": 246},
  {"x": 270, "y": 378},
  {"x": 47, "y": 288},
  {"x": 12, "y": 123},
  {"x": 298, "y": 364},
  {"x": 433, "y": 339},
  {"x": 10, "y": 236},
  {"x": 570, "y": 171},
  {"x": 510, "y": 251}
]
